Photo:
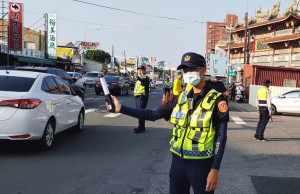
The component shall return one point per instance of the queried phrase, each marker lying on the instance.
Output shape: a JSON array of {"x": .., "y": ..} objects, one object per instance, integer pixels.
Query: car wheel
[
  {"x": 273, "y": 109},
  {"x": 80, "y": 122},
  {"x": 46, "y": 141}
]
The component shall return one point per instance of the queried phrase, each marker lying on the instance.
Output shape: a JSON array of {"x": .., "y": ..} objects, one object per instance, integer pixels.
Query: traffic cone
[
  {"x": 163, "y": 101},
  {"x": 167, "y": 97}
]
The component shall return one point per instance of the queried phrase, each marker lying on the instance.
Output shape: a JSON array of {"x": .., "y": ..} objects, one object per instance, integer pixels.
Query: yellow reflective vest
[
  {"x": 194, "y": 135},
  {"x": 262, "y": 96},
  {"x": 139, "y": 89}
]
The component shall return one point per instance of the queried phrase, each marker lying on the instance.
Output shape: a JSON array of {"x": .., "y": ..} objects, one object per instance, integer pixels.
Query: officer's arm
[
  {"x": 221, "y": 118},
  {"x": 145, "y": 81},
  {"x": 164, "y": 111}
]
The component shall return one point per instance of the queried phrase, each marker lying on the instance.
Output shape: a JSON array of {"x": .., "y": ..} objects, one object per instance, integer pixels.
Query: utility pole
[
  {"x": 46, "y": 25},
  {"x": 248, "y": 47},
  {"x": 228, "y": 60},
  {"x": 245, "y": 45},
  {"x": 7, "y": 45},
  {"x": 125, "y": 62}
]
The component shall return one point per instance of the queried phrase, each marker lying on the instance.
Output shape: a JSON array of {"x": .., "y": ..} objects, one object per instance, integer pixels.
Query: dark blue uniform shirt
[{"x": 220, "y": 118}]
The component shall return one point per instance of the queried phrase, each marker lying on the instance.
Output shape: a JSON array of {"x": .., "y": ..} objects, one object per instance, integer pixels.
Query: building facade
[
  {"x": 217, "y": 63},
  {"x": 216, "y": 32},
  {"x": 272, "y": 45}
]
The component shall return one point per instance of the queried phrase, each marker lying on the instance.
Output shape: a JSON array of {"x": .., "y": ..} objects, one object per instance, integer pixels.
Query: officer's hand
[
  {"x": 212, "y": 180},
  {"x": 116, "y": 103}
]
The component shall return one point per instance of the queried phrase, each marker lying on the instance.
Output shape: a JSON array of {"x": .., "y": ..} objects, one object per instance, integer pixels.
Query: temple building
[{"x": 271, "y": 49}]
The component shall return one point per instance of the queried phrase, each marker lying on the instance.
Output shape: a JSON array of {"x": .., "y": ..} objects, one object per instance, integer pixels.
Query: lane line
[
  {"x": 238, "y": 120},
  {"x": 90, "y": 110},
  {"x": 112, "y": 115}
]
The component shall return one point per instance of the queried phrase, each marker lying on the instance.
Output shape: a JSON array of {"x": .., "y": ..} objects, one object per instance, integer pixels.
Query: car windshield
[
  {"x": 91, "y": 75},
  {"x": 112, "y": 79},
  {"x": 15, "y": 84}
]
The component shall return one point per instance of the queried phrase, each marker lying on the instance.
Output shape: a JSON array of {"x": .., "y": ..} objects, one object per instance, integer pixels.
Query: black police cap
[
  {"x": 266, "y": 81},
  {"x": 192, "y": 60},
  {"x": 141, "y": 67}
]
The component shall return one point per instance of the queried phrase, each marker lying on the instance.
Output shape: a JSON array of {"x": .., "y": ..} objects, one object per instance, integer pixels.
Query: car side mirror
[{"x": 282, "y": 96}]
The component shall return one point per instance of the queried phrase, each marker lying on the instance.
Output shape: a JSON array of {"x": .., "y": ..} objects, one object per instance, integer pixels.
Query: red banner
[{"x": 15, "y": 26}]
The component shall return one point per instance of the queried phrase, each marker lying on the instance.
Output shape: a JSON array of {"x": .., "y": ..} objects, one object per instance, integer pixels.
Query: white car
[
  {"x": 90, "y": 78},
  {"x": 160, "y": 82},
  {"x": 36, "y": 106},
  {"x": 153, "y": 83},
  {"x": 288, "y": 102}
]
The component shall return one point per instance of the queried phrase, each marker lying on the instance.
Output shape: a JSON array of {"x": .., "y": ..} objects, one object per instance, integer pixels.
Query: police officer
[
  {"x": 141, "y": 94},
  {"x": 200, "y": 117},
  {"x": 263, "y": 102},
  {"x": 167, "y": 86}
]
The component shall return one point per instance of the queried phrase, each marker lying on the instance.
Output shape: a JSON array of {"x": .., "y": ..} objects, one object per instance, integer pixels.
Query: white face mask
[{"x": 192, "y": 78}]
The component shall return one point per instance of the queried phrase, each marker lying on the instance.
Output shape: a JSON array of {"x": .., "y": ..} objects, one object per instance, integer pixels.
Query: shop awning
[{"x": 34, "y": 60}]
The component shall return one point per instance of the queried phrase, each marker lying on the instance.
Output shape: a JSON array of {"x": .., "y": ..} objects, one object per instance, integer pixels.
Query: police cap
[
  {"x": 192, "y": 60},
  {"x": 141, "y": 67},
  {"x": 266, "y": 81}
]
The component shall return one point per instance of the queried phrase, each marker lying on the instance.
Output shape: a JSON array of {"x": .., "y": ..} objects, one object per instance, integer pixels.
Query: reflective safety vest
[
  {"x": 168, "y": 84},
  {"x": 194, "y": 135},
  {"x": 262, "y": 96},
  {"x": 139, "y": 89}
]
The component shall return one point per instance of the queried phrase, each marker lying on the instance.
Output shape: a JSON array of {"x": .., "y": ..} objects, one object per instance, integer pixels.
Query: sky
[{"x": 140, "y": 35}]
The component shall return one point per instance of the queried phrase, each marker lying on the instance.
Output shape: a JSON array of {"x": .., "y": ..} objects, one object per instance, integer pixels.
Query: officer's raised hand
[{"x": 116, "y": 103}]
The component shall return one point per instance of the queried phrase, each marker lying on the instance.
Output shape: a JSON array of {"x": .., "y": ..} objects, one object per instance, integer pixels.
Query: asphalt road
[{"x": 109, "y": 158}]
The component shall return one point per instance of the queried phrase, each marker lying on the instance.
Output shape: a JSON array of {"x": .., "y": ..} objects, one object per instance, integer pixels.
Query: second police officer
[
  {"x": 141, "y": 93},
  {"x": 200, "y": 116}
]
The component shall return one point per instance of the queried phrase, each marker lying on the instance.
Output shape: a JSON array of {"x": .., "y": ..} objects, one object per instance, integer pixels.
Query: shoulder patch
[{"x": 223, "y": 106}]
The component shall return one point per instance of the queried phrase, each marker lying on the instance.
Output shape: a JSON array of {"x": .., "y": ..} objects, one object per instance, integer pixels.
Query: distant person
[
  {"x": 233, "y": 91},
  {"x": 240, "y": 93},
  {"x": 141, "y": 94},
  {"x": 177, "y": 88},
  {"x": 263, "y": 102},
  {"x": 167, "y": 86}
]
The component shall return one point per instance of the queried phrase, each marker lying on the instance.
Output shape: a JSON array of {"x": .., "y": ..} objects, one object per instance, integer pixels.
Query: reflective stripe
[
  {"x": 194, "y": 153},
  {"x": 263, "y": 105},
  {"x": 172, "y": 143},
  {"x": 197, "y": 136},
  {"x": 195, "y": 147}
]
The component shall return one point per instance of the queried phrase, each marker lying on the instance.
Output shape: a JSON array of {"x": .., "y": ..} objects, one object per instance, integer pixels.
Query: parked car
[
  {"x": 116, "y": 86},
  {"x": 75, "y": 75},
  {"x": 152, "y": 83},
  {"x": 36, "y": 106},
  {"x": 90, "y": 78},
  {"x": 160, "y": 82},
  {"x": 78, "y": 88},
  {"x": 288, "y": 102}
]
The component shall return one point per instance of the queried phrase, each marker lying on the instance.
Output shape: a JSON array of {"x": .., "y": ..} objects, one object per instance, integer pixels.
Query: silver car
[
  {"x": 91, "y": 78},
  {"x": 288, "y": 102}
]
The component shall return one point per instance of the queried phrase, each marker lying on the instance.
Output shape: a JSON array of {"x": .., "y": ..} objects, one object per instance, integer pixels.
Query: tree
[{"x": 98, "y": 56}]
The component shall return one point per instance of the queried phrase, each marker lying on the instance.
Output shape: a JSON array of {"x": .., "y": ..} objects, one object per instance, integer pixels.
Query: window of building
[
  {"x": 210, "y": 26},
  {"x": 216, "y": 62}
]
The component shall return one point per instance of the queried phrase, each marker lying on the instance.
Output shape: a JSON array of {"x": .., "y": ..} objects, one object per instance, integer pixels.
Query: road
[{"x": 109, "y": 158}]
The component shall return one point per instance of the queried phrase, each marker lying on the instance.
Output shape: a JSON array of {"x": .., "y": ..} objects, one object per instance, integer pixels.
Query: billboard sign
[
  {"x": 51, "y": 36},
  {"x": 88, "y": 45},
  {"x": 15, "y": 26},
  {"x": 153, "y": 60}
]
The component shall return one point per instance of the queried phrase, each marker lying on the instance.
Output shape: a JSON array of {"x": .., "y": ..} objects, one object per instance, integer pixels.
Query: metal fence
[{"x": 275, "y": 91}]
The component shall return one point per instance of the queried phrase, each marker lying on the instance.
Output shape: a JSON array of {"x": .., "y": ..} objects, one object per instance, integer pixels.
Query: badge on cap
[
  {"x": 187, "y": 58},
  {"x": 223, "y": 106}
]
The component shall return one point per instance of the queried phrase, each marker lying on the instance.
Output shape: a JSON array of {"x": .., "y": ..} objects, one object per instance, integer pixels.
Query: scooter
[{"x": 239, "y": 98}]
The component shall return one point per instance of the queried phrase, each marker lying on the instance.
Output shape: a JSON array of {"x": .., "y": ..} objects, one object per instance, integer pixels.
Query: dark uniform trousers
[
  {"x": 262, "y": 123},
  {"x": 185, "y": 173},
  {"x": 141, "y": 103}
]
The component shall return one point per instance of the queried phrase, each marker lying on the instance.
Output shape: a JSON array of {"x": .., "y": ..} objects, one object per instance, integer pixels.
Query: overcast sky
[{"x": 151, "y": 37}]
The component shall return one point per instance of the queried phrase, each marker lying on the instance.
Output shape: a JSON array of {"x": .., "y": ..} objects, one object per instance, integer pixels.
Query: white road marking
[
  {"x": 112, "y": 115},
  {"x": 238, "y": 120},
  {"x": 90, "y": 110}
]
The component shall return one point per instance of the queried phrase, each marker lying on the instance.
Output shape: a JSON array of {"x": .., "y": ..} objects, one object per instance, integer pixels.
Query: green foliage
[{"x": 98, "y": 56}]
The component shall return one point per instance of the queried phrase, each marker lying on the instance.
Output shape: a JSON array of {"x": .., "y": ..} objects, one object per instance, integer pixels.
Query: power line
[
  {"x": 118, "y": 26},
  {"x": 39, "y": 27},
  {"x": 36, "y": 21},
  {"x": 138, "y": 13}
]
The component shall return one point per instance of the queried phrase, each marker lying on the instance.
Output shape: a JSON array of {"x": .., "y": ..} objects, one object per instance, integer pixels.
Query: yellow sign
[
  {"x": 65, "y": 53},
  {"x": 260, "y": 45},
  {"x": 131, "y": 61}
]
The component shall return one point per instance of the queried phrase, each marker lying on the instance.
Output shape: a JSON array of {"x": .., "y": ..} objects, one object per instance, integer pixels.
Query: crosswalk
[{"x": 238, "y": 120}]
